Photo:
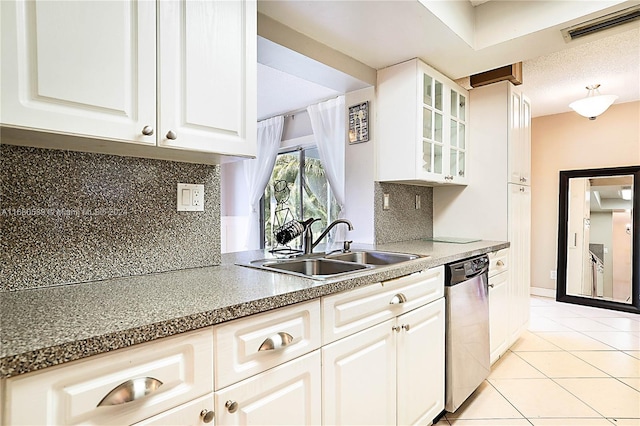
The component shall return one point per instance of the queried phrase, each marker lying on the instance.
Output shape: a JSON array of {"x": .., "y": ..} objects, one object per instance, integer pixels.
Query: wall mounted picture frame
[{"x": 359, "y": 123}]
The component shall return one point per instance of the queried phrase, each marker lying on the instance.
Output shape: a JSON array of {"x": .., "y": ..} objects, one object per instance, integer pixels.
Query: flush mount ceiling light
[{"x": 594, "y": 104}]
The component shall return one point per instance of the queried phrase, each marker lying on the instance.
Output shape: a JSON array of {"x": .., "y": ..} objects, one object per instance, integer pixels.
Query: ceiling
[
  {"x": 459, "y": 39},
  {"x": 608, "y": 193}
]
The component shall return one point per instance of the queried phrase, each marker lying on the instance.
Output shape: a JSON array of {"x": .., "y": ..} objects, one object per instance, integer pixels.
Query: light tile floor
[{"x": 576, "y": 365}]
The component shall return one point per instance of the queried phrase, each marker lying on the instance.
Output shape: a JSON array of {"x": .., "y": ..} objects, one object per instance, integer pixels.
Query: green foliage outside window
[{"x": 307, "y": 194}]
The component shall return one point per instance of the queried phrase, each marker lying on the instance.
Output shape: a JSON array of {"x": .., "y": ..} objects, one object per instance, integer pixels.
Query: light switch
[
  {"x": 186, "y": 197},
  {"x": 190, "y": 197}
]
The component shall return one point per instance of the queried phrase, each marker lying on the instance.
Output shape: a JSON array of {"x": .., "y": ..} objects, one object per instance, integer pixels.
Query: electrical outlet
[
  {"x": 385, "y": 201},
  {"x": 553, "y": 274},
  {"x": 418, "y": 206},
  {"x": 190, "y": 197}
]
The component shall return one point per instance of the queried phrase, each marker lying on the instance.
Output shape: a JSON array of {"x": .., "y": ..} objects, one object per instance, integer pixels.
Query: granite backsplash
[
  {"x": 68, "y": 217},
  {"x": 402, "y": 221}
]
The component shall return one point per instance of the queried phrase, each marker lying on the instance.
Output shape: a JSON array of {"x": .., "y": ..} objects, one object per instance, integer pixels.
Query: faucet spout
[{"x": 308, "y": 242}]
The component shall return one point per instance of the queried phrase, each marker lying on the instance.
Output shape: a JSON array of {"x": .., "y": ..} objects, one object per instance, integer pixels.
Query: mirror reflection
[{"x": 600, "y": 238}]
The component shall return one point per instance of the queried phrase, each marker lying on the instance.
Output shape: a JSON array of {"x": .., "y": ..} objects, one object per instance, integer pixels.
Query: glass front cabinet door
[{"x": 428, "y": 130}]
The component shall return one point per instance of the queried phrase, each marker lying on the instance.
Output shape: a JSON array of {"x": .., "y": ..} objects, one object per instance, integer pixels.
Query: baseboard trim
[{"x": 544, "y": 292}]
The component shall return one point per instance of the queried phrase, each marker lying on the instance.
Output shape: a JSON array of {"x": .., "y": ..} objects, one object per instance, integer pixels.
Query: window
[{"x": 298, "y": 190}]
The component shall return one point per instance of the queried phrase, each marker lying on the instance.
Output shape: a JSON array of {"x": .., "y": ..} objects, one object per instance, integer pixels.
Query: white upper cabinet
[
  {"x": 422, "y": 126},
  {"x": 207, "y": 90},
  {"x": 84, "y": 68},
  {"x": 174, "y": 74},
  {"x": 519, "y": 137}
]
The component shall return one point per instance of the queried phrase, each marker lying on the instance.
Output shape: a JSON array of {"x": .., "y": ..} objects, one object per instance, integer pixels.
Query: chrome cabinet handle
[
  {"x": 396, "y": 329},
  {"x": 130, "y": 390},
  {"x": 172, "y": 135},
  {"x": 206, "y": 416},
  {"x": 232, "y": 406},
  {"x": 499, "y": 263},
  {"x": 398, "y": 299},
  {"x": 147, "y": 130},
  {"x": 492, "y": 285},
  {"x": 277, "y": 341},
  {"x": 523, "y": 179},
  {"x": 406, "y": 327}
]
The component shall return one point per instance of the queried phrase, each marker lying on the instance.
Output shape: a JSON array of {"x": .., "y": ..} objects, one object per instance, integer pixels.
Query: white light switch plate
[{"x": 190, "y": 197}]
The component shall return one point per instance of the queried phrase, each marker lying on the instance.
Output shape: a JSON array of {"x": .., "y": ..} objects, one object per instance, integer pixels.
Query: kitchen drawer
[
  {"x": 189, "y": 414},
  {"x": 72, "y": 393},
  {"x": 498, "y": 261},
  {"x": 350, "y": 311},
  {"x": 250, "y": 345}
]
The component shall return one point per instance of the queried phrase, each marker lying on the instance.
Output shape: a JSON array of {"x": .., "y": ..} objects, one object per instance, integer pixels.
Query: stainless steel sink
[
  {"x": 321, "y": 266},
  {"x": 373, "y": 257},
  {"x": 315, "y": 267}
]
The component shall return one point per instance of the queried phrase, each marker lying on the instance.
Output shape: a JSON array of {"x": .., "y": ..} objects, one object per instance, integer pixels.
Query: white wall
[
  {"x": 564, "y": 142},
  {"x": 360, "y": 173},
  {"x": 234, "y": 207},
  {"x": 479, "y": 210}
]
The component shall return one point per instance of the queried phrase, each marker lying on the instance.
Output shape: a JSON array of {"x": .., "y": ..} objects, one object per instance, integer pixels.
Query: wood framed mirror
[{"x": 599, "y": 238}]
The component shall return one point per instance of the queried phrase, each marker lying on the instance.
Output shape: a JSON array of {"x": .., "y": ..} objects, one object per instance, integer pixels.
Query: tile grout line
[{"x": 609, "y": 376}]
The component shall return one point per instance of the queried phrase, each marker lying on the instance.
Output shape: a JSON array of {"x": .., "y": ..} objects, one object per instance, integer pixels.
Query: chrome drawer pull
[
  {"x": 398, "y": 299},
  {"x": 130, "y": 390},
  {"x": 277, "y": 341},
  {"x": 499, "y": 263}
]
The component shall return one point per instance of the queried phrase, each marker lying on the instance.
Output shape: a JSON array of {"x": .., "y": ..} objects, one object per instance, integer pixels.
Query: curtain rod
[{"x": 304, "y": 109}]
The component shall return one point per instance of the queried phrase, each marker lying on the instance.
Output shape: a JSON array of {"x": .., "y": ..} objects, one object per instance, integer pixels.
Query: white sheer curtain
[
  {"x": 328, "y": 123},
  {"x": 258, "y": 171}
]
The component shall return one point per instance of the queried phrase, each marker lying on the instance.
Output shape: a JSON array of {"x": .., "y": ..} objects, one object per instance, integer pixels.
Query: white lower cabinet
[
  {"x": 123, "y": 387},
  {"x": 359, "y": 378},
  {"x": 289, "y": 394},
  {"x": 498, "y": 315},
  {"x": 520, "y": 253},
  {"x": 391, "y": 373},
  {"x": 421, "y": 364}
]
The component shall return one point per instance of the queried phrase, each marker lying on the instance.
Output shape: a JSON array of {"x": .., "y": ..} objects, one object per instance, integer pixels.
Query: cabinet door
[
  {"x": 289, "y": 394},
  {"x": 207, "y": 93},
  {"x": 84, "y": 68},
  {"x": 433, "y": 163},
  {"x": 520, "y": 238},
  {"x": 519, "y": 138},
  {"x": 498, "y": 314},
  {"x": 514, "y": 148},
  {"x": 458, "y": 136},
  {"x": 420, "y": 357},
  {"x": 359, "y": 378},
  {"x": 525, "y": 152}
]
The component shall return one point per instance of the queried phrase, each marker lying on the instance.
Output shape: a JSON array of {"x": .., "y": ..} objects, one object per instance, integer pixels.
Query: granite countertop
[{"x": 45, "y": 327}]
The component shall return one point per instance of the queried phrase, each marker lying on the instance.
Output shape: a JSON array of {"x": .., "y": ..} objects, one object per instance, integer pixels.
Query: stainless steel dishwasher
[{"x": 467, "y": 329}]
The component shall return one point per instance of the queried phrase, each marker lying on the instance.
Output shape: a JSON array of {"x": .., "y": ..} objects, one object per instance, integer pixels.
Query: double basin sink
[{"x": 320, "y": 266}]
